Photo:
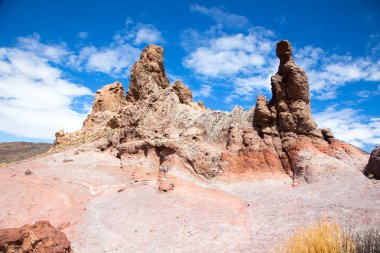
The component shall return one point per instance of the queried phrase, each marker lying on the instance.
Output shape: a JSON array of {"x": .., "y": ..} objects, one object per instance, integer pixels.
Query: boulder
[
  {"x": 40, "y": 237},
  {"x": 373, "y": 166},
  {"x": 327, "y": 134},
  {"x": 165, "y": 186},
  {"x": 60, "y": 137}
]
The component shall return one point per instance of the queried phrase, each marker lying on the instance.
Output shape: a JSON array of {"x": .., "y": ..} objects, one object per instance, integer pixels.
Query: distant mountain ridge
[{"x": 17, "y": 151}]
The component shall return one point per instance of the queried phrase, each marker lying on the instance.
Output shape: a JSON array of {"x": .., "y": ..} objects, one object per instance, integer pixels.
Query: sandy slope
[{"x": 113, "y": 209}]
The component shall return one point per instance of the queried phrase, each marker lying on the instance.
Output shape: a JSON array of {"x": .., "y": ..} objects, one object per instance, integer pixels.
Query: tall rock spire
[
  {"x": 290, "y": 101},
  {"x": 162, "y": 123},
  {"x": 148, "y": 75}
]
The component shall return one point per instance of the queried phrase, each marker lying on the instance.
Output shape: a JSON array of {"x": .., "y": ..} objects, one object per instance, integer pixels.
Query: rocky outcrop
[
  {"x": 59, "y": 137},
  {"x": 373, "y": 166},
  {"x": 328, "y": 135},
  {"x": 183, "y": 92},
  {"x": 289, "y": 109},
  {"x": 110, "y": 97},
  {"x": 160, "y": 120},
  {"x": 148, "y": 75},
  {"x": 287, "y": 116},
  {"x": 41, "y": 237}
]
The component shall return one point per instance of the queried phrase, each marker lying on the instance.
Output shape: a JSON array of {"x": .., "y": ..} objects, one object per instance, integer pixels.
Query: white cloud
[
  {"x": 373, "y": 45},
  {"x": 227, "y": 55},
  {"x": 246, "y": 86},
  {"x": 368, "y": 93},
  {"x": 281, "y": 20},
  {"x": 221, "y": 17},
  {"x": 231, "y": 54},
  {"x": 83, "y": 35},
  {"x": 117, "y": 57},
  {"x": 35, "y": 99},
  {"x": 54, "y": 53},
  {"x": 327, "y": 72},
  {"x": 204, "y": 91},
  {"x": 113, "y": 59},
  {"x": 247, "y": 60},
  {"x": 147, "y": 35},
  {"x": 350, "y": 126},
  {"x": 138, "y": 34},
  {"x": 244, "y": 59},
  {"x": 230, "y": 98},
  {"x": 173, "y": 77}
]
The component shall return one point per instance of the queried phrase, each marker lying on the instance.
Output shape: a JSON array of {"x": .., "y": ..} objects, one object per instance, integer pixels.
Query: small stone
[
  {"x": 28, "y": 173},
  {"x": 64, "y": 225},
  {"x": 166, "y": 186}
]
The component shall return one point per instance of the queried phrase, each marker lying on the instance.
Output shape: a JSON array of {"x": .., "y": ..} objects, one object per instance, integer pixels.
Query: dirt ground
[{"x": 106, "y": 208}]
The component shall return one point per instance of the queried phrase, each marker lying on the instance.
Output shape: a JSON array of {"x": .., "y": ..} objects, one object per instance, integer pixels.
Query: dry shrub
[
  {"x": 321, "y": 237},
  {"x": 367, "y": 241}
]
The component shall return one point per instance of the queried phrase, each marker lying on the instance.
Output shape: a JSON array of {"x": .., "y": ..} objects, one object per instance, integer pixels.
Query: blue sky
[{"x": 55, "y": 54}]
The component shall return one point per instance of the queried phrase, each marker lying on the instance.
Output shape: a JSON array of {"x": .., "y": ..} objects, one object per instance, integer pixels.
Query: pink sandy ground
[{"x": 110, "y": 209}]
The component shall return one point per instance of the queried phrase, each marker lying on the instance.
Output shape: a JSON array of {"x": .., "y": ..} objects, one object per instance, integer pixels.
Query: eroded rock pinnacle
[{"x": 160, "y": 121}]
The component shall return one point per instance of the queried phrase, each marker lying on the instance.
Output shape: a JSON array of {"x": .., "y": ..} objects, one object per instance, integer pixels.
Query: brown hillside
[{"x": 17, "y": 151}]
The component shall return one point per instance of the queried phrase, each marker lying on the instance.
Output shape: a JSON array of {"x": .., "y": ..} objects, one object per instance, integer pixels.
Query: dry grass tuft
[{"x": 321, "y": 237}]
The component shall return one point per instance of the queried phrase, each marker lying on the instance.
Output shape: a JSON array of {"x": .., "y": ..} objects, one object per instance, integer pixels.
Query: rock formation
[
  {"x": 290, "y": 103},
  {"x": 41, "y": 237},
  {"x": 160, "y": 121},
  {"x": 110, "y": 98},
  {"x": 148, "y": 75},
  {"x": 373, "y": 166},
  {"x": 183, "y": 92}
]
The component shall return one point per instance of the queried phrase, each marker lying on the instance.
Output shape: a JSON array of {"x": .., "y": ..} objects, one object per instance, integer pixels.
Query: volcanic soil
[{"x": 104, "y": 204}]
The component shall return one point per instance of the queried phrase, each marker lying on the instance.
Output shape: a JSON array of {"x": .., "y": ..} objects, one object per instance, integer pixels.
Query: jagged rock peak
[
  {"x": 262, "y": 113},
  {"x": 284, "y": 51},
  {"x": 110, "y": 97},
  {"x": 290, "y": 81},
  {"x": 155, "y": 118},
  {"x": 148, "y": 75},
  {"x": 183, "y": 92},
  {"x": 290, "y": 96}
]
